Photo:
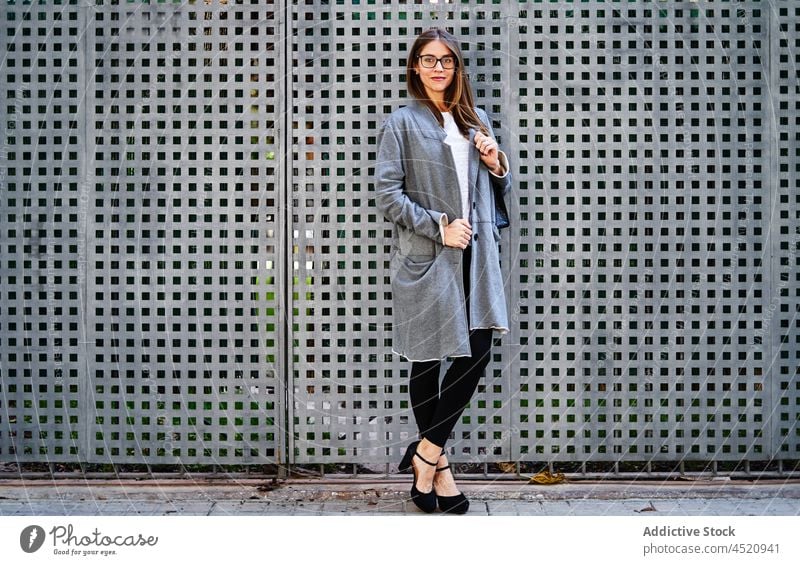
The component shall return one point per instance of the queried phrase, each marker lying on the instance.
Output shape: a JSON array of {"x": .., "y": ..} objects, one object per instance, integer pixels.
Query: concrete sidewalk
[{"x": 205, "y": 497}]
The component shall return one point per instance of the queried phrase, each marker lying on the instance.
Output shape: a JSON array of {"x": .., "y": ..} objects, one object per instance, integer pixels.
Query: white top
[{"x": 459, "y": 145}]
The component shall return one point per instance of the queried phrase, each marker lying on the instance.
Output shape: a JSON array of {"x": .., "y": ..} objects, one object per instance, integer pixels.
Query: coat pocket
[
  {"x": 413, "y": 268},
  {"x": 425, "y": 295},
  {"x": 415, "y": 245}
]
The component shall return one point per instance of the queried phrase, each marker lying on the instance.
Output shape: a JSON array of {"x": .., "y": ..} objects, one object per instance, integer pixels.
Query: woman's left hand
[{"x": 488, "y": 151}]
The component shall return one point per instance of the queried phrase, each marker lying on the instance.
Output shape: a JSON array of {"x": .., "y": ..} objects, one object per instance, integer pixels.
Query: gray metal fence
[{"x": 193, "y": 270}]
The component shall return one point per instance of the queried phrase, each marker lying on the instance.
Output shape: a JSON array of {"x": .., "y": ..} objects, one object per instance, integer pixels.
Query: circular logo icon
[{"x": 31, "y": 539}]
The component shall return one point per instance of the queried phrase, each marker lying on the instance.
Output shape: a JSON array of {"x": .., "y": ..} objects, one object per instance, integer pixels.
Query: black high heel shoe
[
  {"x": 456, "y": 504},
  {"x": 425, "y": 501}
]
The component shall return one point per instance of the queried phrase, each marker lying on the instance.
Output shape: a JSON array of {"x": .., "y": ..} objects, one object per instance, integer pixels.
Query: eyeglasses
[{"x": 429, "y": 61}]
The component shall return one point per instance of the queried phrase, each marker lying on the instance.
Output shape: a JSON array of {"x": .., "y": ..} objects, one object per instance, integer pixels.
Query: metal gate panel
[
  {"x": 645, "y": 207},
  {"x": 350, "y": 393},
  {"x": 183, "y": 302},
  {"x": 780, "y": 320},
  {"x": 42, "y": 251}
]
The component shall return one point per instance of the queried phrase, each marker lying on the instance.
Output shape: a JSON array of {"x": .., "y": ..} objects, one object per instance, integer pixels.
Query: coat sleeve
[
  {"x": 504, "y": 180},
  {"x": 390, "y": 197}
]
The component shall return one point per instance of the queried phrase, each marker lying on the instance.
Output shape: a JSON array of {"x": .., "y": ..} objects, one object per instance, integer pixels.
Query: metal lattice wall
[{"x": 193, "y": 269}]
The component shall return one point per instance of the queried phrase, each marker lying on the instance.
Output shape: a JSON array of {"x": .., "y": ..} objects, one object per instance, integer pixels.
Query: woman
[{"x": 437, "y": 159}]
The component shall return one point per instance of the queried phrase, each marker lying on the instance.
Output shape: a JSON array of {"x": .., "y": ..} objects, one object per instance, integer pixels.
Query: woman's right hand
[{"x": 458, "y": 233}]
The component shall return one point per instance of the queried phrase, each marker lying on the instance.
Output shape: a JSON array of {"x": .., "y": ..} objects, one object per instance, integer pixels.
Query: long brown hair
[{"x": 458, "y": 96}]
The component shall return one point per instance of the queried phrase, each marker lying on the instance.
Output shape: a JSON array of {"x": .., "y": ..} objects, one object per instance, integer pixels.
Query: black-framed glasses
[{"x": 429, "y": 61}]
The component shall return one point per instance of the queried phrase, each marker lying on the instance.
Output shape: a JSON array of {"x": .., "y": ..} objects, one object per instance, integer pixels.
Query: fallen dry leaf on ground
[{"x": 547, "y": 478}]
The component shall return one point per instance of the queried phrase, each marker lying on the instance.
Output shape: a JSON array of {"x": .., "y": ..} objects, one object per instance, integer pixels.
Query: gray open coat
[{"x": 416, "y": 184}]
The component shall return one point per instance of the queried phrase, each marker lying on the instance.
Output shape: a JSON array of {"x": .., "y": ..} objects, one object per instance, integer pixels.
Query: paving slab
[{"x": 343, "y": 497}]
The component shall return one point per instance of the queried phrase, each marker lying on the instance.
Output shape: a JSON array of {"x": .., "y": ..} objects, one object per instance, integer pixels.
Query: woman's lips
[{"x": 437, "y": 78}]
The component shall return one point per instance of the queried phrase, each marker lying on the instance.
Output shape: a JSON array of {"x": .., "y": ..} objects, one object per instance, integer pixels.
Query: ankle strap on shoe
[
  {"x": 442, "y": 468},
  {"x": 421, "y": 457}
]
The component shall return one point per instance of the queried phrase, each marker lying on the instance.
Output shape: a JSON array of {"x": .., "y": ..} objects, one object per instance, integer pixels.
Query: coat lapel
[
  {"x": 473, "y": 160},
  {"x": 429, "y": 127}
]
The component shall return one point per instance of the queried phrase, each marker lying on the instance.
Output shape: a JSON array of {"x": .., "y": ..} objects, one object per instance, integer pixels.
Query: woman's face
[{"x": 437, "y": 79}]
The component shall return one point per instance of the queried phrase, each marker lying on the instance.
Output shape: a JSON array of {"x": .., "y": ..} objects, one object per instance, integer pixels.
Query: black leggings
[{"x": 437, "y": 414}]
